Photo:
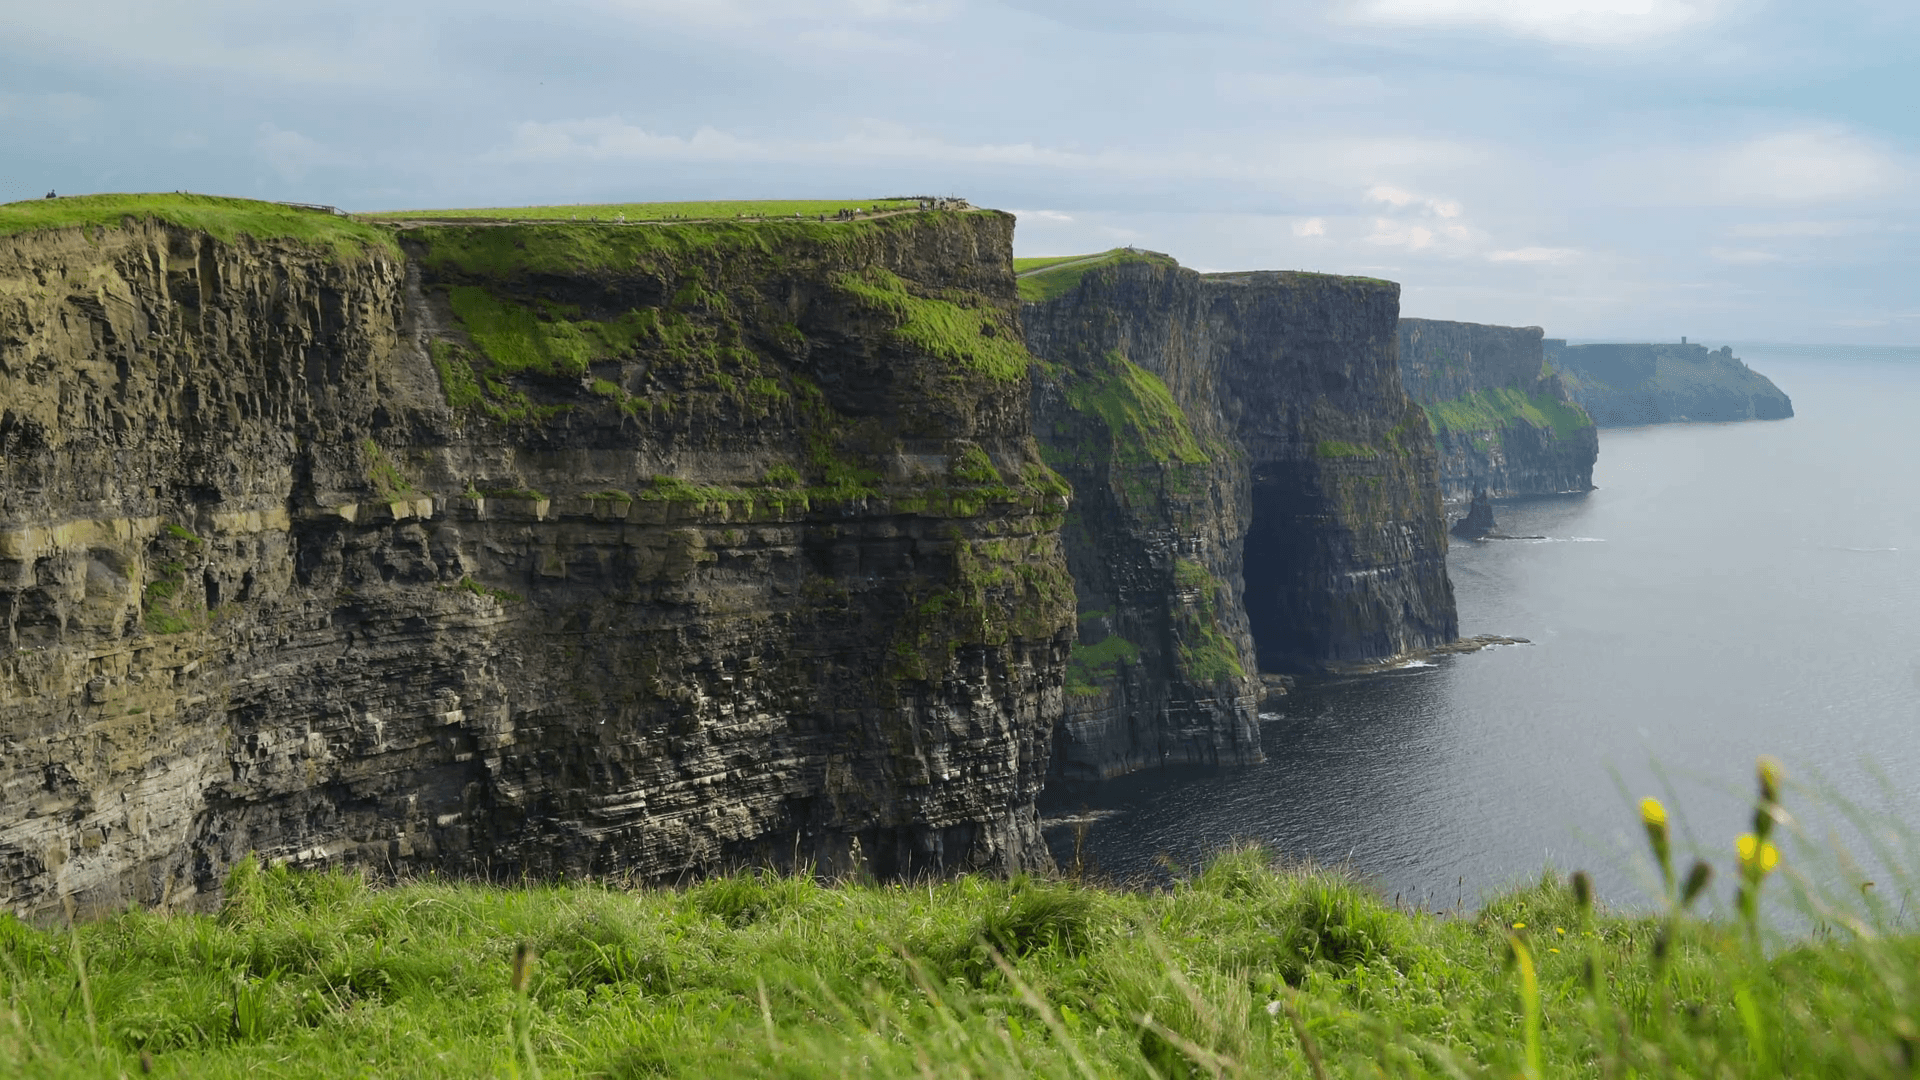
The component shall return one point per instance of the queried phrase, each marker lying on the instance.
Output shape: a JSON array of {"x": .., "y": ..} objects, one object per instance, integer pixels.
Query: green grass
[
  {"x": 1491, "y": 410},
  {"x": 976, "y": 337},
  {"x": 1245, "y": 968},
  {"x": 519, "y": 338},
  {"x": 1138, "y": 422},
  {"x": 1091, "y": 665},
  {"x": 751, "y": 209},
  {"x": 223, "y": 218},
  {"x": 1334, "y": 448},
  {"x": 1046, "y": 279}
]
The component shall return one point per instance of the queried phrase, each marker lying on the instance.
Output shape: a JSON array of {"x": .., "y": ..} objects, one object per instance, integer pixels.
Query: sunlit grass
[
  {"x": 224, "y": 218},
  {"x": 656, "y": 211},
  {"x": 1245, "y": 969}
]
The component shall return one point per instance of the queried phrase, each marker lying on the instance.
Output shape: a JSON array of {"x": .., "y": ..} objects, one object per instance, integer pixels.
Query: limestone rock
[
  {"x": 1502, "y": 419},
  {"x": 543, "y": 549},
  {"x": 1254, "y": 493}
]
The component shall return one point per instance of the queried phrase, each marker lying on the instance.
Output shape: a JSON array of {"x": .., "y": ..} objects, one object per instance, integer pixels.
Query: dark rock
[
  {"x": 1502, "y": 419},
  {"x": 773, "y": 579},
  {"x": 1479, "y": 519},
  {"x": 1254, "y": 493}
]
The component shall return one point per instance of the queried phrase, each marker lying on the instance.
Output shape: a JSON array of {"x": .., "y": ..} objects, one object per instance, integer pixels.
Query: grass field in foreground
[
  {"x": 224, "y": 218},
  {"x": 1245, "y": 969},
  {"x": 660, "y": 211}
]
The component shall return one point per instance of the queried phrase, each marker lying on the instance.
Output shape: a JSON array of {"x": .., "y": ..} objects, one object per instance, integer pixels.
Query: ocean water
[{"x": 1728, "y": 590}]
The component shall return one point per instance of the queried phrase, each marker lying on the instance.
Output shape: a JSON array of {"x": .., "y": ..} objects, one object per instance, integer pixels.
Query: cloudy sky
[{"x": 1742, "y": 170}]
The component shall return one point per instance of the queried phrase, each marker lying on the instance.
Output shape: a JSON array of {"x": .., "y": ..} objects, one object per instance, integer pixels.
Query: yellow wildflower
[
  {"x": 1757, "y": 857},
  {"x": 1652, "y": 813}
]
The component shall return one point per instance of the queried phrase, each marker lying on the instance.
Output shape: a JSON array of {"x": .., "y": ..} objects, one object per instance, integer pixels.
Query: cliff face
[
  {"x": 543, "y": 549},
  {"x": 1254, "y": 492},
  {"x": 1503, "y": 421},
  {"x": 1623, "y": 385}
]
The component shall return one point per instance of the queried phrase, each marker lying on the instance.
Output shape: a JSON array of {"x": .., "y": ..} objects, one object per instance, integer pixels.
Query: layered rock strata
[
  {"x": 1503, "y": 420},
  {"x": 519, "y": 549},
  {"x": 1622, "y": 385},
  {"x": 1254, "y": 492}
]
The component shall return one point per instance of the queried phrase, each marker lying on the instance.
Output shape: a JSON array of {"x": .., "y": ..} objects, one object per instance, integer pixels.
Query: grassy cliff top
[
  {"x": 1043, "y": 279},
  {"x": 1245, "y": 277},
  {"x": 752, "y": 209},
  {"x": 224, "y": 218},
  {"x": 1243, "y": 970}
]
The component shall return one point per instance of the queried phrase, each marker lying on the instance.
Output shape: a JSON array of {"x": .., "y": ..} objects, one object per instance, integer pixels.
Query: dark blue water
[{"x": 1729, "y": 590}]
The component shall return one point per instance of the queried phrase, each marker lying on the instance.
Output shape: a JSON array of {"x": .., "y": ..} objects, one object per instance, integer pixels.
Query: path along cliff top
[{"x": 225, "y": 217}]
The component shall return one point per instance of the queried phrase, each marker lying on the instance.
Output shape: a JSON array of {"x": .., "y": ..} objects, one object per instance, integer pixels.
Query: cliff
[
  {"x": 506, "y": 548},
  {"x": 1253, "y": 492},
  {"x": 1503, "y": 421},
  {"x": 1622, "y": 385}
]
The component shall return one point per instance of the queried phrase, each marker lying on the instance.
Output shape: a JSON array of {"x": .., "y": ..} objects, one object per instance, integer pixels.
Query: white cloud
[
  {"x": 1743, "y": 256},
  {"x": 1809, "y": 165},
  {"x": 1323, "y": 162},
  {"x": 734, "y": 15},
  {"x": 1390, "y": 233},
  {"x": 293, "y": 155},
  {"x": 1533, "y": 255},
  {"x": 1042, "y": 215},
  {"x": 1294, "y": 89},
  {"x": 1314, "y": 226},
  {"x": 1399, "y": 199},
  {"x": 1582, "y": 22},
  {"x": 1775, "y": 229}
]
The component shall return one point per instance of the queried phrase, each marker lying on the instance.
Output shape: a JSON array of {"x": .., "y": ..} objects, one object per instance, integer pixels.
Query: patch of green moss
[
  {"x": 1334, "y": 448},
  {"x": 501, "y": 596},
  {"x": 181, "y": 532},
  {"x": 224, "y": 219},
  {"x": 1491, "y": 410},
  {"x": 960, "y": 327},
  {"x": 164, "y": 606},
  {"x": 516, "y": 338},
  {"x": 1205, "y": 654},
  {"x": 1136, "y": 419},
  {"x": 1091, "y": 666},
  {"x": 385, "y": 477}
]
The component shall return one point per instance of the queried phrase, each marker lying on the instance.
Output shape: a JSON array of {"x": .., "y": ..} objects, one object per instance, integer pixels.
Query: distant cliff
[
  {"x": 1502, "y": 420},
  {"x": 1621, "y": 385},
  {"x": 511, "y": 548},
  {"x": 1253, "y": 492}
]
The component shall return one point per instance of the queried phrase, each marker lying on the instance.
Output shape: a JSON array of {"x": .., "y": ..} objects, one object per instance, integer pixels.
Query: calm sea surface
[{"x": 1729, "y": 590}]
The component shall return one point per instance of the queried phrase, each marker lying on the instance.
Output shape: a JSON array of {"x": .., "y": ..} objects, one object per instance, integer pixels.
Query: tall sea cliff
[
  {"x": 1254, "y": 492},
  {"x": 1623, "y": 385},
  {"x": 1503, "y": 420},
  {"x": 510, "y": 548}
]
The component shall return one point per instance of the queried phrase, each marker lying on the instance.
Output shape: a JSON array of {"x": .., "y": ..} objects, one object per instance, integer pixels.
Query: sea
[{"x": 1728, "y": 590}]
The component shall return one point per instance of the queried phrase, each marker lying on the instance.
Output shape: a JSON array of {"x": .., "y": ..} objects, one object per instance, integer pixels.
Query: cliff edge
[
  {"x": 1622, "y": 385},
  {"x": 1253, "y": 492},
  {"x": 1503, "y": 421},
  {"x": 511, "y": 548}
]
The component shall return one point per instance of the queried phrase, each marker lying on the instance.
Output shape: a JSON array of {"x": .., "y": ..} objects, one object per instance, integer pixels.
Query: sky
[{"x": 1632, "y": 170}]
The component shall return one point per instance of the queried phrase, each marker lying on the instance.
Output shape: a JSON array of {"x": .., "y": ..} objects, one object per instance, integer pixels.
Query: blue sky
[{"x": 1613, "y": 169}]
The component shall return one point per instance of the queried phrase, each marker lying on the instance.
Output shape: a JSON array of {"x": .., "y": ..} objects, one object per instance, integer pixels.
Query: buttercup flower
[{"x": 1757, "y": 856}]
